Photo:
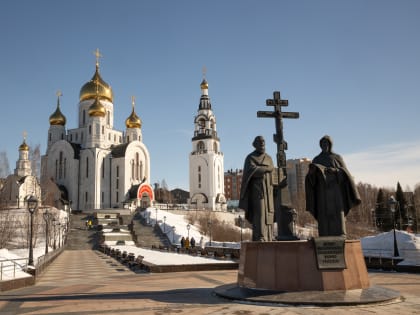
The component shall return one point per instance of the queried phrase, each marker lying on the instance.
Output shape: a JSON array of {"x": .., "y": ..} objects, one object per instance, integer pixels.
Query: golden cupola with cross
[
  {"x": 96, "y": 87},
  {"x": 57, "y": 118},
  {"x": 133, "y": 121}
]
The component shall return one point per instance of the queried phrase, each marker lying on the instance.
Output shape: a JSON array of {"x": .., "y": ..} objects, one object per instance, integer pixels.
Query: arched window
[
  {"x": 137, "y": 165},
  {"x": 200, "y": 146},
  {"x": 84, "y": 117},
  {"x": 199, "y": 177},
  {"x": 60, "y": 165},
  {"x": 87, "y": 167},
  {"x": 108, "y": 117}
]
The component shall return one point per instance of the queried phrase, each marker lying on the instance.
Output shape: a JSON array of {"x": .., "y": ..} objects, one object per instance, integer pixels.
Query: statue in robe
[
  {"x": 256, "y": 197},
  {"x": 330, "y": 191}
]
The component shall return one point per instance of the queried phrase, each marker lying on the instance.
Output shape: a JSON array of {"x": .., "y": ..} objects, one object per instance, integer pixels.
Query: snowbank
[{"x": 382, "y": 245}]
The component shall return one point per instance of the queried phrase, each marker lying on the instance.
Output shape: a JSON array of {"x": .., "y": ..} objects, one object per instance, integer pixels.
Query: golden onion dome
[
  {"x": 88, "y": 91},
  {"x": 57, "y": 118},
  {"x": 24, "y": 146},
  {"x": 97, "y": 109},
  {"x": 204, "y": 84},
  {"x": 133, "y": 121}
]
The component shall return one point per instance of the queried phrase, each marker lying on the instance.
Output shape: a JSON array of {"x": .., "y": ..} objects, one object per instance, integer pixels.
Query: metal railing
[{"x": 8, "y": 267}]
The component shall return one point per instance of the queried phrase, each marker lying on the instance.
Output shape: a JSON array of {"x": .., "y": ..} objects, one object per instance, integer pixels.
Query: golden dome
[
  {"x": 57, "y": 118},
  {"x": 24, "y": 146},
  {"x": 204, "y": 84},
  {"x": 88, "y": 91},
  {"x": 97, "y": 109},
  {"x": 133, "y": 121}
]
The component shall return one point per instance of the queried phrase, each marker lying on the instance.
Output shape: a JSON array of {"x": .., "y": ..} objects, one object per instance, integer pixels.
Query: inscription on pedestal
[{"x": 330, "y": 252}]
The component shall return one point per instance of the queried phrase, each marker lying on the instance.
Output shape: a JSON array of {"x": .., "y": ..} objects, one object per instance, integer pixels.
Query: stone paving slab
[{"x": 87, "y": 282}]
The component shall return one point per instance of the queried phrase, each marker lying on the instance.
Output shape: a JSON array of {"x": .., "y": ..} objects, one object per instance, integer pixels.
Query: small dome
[
  {"x": 57, "y": 118},
  {"x": 133, "y": 121},
  {"x": 24, "y": 146},
  {"x": 204, "y": 84},
  {"x": 88, "y": 91},
  {"x": 97, "y": 109}
]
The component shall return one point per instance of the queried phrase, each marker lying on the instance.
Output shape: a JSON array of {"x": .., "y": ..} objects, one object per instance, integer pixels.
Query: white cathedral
[
  {"x": 94, "y": 165},
  {"x": 206, "y": 159}
]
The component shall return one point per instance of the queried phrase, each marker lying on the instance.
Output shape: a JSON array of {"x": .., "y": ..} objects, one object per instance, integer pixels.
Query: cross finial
[
  {"x": 97, "y": 55},
  {"x": 204, "y": 72},
  {"x": 133, "y": 101},
  {"x": 24, "y": 135},
  {"x": 59, "y": 93}
]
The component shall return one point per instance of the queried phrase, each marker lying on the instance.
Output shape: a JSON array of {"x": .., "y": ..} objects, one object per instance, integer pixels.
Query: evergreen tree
[
  {"x": 401, "y": 213},
  {"x": 382, "y": 216}
]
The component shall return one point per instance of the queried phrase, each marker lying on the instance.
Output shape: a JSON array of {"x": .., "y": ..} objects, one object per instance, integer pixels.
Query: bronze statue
[
  {"x": 330, "y": 191},
  {"x": 257, "y": 192}
]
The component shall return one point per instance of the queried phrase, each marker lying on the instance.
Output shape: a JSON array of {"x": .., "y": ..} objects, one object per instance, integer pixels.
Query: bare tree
[
  {"x": 35, "y": 158},
  {"x": 4, "y": 165},
  {"x": 7, "y": 228}
]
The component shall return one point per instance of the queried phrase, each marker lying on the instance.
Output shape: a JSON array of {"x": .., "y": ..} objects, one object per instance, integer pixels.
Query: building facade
[
  {"x": 233, "y": 180},
  {"x": 95, "y": 165},
  {"x": 206, "y": 159}
]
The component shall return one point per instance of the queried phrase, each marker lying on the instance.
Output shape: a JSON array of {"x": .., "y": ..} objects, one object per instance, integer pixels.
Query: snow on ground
[
  {"x": 168, "y": 258},
  {"x": 382, "y": 245}
]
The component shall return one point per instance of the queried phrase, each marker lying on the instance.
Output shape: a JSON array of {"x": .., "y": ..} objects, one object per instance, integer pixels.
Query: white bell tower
[{"x": 206, "y": 159}]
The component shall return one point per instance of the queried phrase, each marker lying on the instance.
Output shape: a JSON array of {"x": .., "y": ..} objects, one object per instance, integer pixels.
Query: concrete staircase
[
  {"x": 79, "y": 237},
  {"x": 146, "y": 235}
]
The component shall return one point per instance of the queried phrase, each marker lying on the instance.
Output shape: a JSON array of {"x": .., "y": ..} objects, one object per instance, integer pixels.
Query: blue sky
[{"x": 350, "y": 68}]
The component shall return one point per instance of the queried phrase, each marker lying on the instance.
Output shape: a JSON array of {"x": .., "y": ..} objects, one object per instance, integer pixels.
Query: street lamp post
[
  {"x": 240, "y": 225},
  {"x": 59, "y": 234},
  {"x": 393, "y": 205},
  {"x": 188, "y": 229},
  {"x": 32, "y": 204},
  {"x": 46, "y": 216},
  {"x": 209, "y": 225},
  {"x": 54, "y": 244}
]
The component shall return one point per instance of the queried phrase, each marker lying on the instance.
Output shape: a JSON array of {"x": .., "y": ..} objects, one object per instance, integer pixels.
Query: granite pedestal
[{"x": 287, "y": 272}]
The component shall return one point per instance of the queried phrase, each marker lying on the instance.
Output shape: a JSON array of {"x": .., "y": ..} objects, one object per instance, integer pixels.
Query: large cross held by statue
[{"x": 282, "y": 195}]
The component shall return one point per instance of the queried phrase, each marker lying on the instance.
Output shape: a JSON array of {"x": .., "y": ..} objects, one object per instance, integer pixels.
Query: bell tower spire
[{"x": 206, "y": 159}]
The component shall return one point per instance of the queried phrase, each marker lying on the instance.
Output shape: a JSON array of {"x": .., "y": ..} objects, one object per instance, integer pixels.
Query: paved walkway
[{"x": 88, "y": 282}]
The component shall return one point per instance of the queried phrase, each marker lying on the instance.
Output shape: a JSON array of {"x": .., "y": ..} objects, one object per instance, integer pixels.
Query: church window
[
  {"x": 199, "y": 177},
  {"x": 62, "y": 136},
  {"x": 141, "y": 170},
  {"x": 137, "y": 166},
  {"x": 108, "y": 117},
  {"x": 90, "y": 129},
  {"x": 81, "y": 137},
  {"x": 200, "y": 147},
  {"x": 109, "y": 136},
  {"x": 71, "y": 137},
  {"x": 86, "y": 196},
  {"x": 103, "y": 130},
  {"x": 87, "y": 167},
  {"x": 60, "y": 166},
  {"x": 102, "y": 197},
  {"x": 103, "y": 168},
  {"x": 132, "y": 169},
  {"x": 84, "y": 117},
  {"x": 118, "y": 171},
  {"x": 117, "y": 184},
  {"x": 56, "y": 169},
  {"x": 215, "y": 147},
  {"x": 64, "y": 167},
  {"x": 120, "y": 139},
  {"x": 116, "y": 196},
  {"x": 49, "y": 136},
  {"x": 128, "y": 138}
]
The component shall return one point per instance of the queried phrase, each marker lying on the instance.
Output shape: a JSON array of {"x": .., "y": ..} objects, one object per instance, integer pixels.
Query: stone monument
[{"x": 328, "y": 270}]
